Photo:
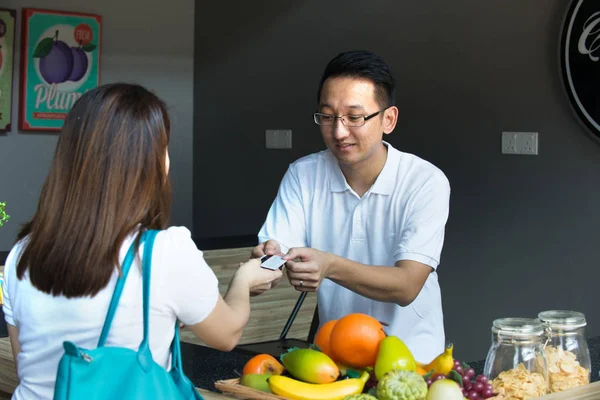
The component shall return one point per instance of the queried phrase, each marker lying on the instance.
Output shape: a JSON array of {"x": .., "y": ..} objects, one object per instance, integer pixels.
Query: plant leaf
[
  {"x": 455, "y": 376},
  {"x": 89, "y": 47},
  {"x": 43, "y": 48}
]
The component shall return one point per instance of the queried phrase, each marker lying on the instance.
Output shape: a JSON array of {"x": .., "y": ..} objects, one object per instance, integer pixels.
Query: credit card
[{"x": 272, "y": 262}]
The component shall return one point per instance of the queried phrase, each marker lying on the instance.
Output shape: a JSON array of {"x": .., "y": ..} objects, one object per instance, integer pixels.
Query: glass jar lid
[
  {"x": 563, "y": 319},
  {"x": 518, "y": 327}
]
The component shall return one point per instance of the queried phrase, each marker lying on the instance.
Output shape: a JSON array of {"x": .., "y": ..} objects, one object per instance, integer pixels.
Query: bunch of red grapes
[{"x": 473, "y": 387}]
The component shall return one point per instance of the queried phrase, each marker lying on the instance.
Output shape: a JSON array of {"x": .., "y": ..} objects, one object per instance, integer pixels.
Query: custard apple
[
  {"x": 362, "y": 396},
  {"x": 402, "y": 385}
]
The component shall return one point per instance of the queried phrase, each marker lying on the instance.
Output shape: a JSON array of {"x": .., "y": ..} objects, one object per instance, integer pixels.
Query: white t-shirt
[
  {"x": 182, "y": 287},
  {"x": 401, "y": 217}
]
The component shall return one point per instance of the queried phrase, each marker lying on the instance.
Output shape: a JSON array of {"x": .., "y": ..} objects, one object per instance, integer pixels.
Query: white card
[{"x": 272, "y": 262}]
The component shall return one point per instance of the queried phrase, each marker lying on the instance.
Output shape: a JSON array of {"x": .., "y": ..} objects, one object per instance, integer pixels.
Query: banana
[{"x": 297, "y": 390}]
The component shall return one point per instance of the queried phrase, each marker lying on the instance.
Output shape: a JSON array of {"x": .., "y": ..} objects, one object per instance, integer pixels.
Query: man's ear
[{"x": 390, "y": 119}]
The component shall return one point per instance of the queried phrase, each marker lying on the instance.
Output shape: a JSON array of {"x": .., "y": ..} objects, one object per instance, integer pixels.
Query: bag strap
[
  {"x": 146, "y": 273},
  {"x": 114, "y": 301},
  {"x": 176, "y": 350}
]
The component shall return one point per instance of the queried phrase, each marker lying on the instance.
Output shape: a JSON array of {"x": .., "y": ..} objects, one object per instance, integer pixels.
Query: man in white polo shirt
[{"x": 363, "y": 223}]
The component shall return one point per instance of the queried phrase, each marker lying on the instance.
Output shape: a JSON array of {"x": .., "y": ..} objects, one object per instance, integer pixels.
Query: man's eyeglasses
[{"x": 348, "y": 119}]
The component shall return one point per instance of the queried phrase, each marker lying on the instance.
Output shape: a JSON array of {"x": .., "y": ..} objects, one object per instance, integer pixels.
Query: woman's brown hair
[{"x": 108, "y": 179}]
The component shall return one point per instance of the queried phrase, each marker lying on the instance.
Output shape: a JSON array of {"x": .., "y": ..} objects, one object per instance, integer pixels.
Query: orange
[
  {"x": 263, "y": 364},
  {"x": 354, "y": 340},
  {"x": 323, "y": 336}
]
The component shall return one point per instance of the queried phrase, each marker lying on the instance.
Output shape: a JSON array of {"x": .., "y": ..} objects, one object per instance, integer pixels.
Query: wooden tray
[{"x": 233, "y": 387}]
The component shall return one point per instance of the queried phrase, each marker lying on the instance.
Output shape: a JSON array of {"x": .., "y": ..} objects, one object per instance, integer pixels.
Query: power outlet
[
  {"x": 509, "y": 143},
  {"x": 524, "y": 143},
  {"x": 278, "y": 138},
  {"x": 527, "y": 143}
]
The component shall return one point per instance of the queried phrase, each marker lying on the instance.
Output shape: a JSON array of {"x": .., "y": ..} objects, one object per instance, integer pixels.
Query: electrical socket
[
  {"x": 278, "y": 138},
  {"x": 509, "y": 143},
  {"x": 527, "y": 143},
  {"x": 524, "y": 143}
]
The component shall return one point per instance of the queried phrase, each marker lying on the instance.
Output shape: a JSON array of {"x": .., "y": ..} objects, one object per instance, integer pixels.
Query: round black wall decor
[{"x": 580, "y": 60}]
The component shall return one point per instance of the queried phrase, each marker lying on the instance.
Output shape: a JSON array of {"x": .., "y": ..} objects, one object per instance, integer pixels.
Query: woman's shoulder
[{"x": 177, "y": 242}]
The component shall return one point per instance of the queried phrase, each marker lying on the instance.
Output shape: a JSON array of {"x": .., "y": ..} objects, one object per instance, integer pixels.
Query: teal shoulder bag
[{"x": 121, "y": 373}]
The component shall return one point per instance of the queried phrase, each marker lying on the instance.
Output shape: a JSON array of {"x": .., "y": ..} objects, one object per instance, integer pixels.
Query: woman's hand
[{"x": 258, "y": 279}]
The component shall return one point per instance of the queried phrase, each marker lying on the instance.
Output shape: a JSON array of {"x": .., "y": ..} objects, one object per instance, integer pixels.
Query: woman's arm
[{"x": 13, "y": 334}]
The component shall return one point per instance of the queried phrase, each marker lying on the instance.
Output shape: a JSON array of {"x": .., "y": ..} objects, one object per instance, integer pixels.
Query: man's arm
[{"x": 398, "y": 284}]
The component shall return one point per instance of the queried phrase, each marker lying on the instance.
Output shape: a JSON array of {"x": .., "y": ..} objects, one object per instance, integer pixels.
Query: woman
[{"x": 109, "y": 182}]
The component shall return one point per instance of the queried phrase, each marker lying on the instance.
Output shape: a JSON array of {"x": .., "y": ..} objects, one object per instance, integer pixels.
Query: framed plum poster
[
  {"x": 60, "y": 61},
  {"x": 7, "y": 51}
]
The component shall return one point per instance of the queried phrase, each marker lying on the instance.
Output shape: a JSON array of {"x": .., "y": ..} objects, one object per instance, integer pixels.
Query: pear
[
  {"x": 393, "y": 355},
  {"x": 256, "y": 381}
]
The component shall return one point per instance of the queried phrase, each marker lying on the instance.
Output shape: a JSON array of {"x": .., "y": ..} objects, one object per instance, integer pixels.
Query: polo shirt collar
[{"x": 385, "y": 182}]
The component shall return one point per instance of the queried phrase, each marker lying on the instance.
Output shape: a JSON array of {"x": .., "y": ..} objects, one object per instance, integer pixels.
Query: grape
[
  {"x": 466, "y": 380},
  {"x": 467, "y": 384},
  {"x": 429, "y": 382},
  {"x": 473, "y": 395},
  {"x": 437, "y": 377},
  {"x": 487, "y": 393},
  {"x": 470, "y": 372},
  {"x": 464, "y": 392},
  {"x": 488, "y": 387},
  {"x": 459, "y": 369},
  {"x": 457, "y": 364},
  {"x": 478, "y": 387},
  {"x": 482, "y": 378}
]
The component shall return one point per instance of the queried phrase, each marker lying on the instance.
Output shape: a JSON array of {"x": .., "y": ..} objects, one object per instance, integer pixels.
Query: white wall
[{"x": 149, "y": 42}]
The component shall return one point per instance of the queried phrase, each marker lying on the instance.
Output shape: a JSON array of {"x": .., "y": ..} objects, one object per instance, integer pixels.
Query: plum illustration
[
  {"x": 80, "y": 64},
  {"x": 57, "y": 65}
]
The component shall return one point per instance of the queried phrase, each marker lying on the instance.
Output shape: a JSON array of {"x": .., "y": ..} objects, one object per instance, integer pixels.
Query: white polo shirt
[{"x": 401, "y": 217}]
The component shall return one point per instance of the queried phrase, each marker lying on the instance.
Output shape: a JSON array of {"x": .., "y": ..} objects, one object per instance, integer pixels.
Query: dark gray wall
[
  {"x": 522, "y": 234},
  {"x": 134, "y": 50}
]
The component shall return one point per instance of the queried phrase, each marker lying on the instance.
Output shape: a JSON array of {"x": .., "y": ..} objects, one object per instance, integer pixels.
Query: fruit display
[{"x": 392, "y": 373}]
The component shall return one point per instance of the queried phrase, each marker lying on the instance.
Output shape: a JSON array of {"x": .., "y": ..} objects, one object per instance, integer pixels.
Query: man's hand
[
  {"x": 307, "y": 267},
  {"x": 269, "y": 247}
]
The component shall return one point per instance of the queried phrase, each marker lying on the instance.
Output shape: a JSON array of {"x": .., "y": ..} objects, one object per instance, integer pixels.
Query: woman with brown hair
[{"x": 107, "y": 184}]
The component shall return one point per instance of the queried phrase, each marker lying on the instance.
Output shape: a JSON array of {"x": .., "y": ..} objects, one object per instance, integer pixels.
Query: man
[{"x": 365, "y": 222}]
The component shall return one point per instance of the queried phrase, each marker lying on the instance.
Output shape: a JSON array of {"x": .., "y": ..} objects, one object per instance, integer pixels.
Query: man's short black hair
[{"x": 363, "y": 65}]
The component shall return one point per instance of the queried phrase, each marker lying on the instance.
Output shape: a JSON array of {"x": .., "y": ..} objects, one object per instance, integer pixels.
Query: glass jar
[
  {"x": 566, "y": 349},
  {"x": 516, "y": 362}
]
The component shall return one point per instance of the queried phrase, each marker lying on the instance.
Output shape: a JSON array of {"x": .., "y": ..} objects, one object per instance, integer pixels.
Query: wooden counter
[{"x": 8, "y": 382}]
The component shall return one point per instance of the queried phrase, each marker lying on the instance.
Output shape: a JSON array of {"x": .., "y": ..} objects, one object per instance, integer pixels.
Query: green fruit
[
  {"x": 256, "y": 381},
  {"x": 402, "y": 385},
  {"x": 393, "y": 354},
  {"x": 362, "y": 396},
  {"x": 310, "y": 366}
]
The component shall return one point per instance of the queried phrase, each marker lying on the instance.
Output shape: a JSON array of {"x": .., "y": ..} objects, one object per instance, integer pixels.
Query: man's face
[{"x": 352, "y": 96}]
